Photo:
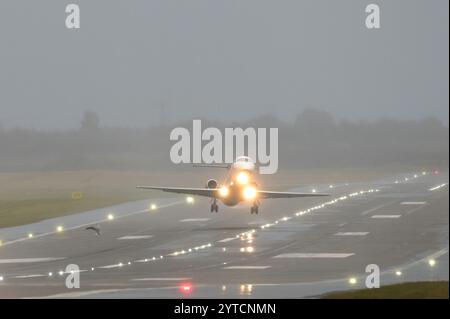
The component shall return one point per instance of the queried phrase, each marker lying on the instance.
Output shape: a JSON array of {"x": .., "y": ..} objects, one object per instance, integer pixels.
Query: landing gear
[
  {"x": 254, "y": 208},
  {"x": 214, "y": 206}
]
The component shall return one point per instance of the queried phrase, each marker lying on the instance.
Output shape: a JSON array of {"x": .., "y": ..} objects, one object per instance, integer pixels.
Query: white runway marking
[
  {"x": 309, "y": 255},
  {"x": 432, "y": 256},
  {"x": 437, "y": 187},
  {"x": 162, "y": 279},
  {"x": 111, "y": 266},
  {"x": 413, "y": 203},
  {"x": 227, "y": 239},
  {"x": 194, "y": 220},
  {"x": 29, "y": 276},
  {"x": 386, "y": 216},
  {"x": 438, "y": 254},
  {"x": 364, "y": 233},
  {"x": 134, "y": 237},
  {"x": 246, "y": 267},
  {"x": 29, "y": 260}
]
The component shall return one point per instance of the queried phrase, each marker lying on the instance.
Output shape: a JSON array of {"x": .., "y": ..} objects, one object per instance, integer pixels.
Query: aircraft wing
[
  {"x": 207, "y": 192},
  {"x": 269, "y": 194}
]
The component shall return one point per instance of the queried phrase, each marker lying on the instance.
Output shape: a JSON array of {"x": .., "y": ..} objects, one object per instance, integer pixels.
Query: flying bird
[{"x": 95, "y": 229}]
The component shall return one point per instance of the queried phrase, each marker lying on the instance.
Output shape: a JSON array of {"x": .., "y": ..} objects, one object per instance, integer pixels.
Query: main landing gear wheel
[
  {"x": 214, "y": 207},
  {"x": 254, "y": 209}
]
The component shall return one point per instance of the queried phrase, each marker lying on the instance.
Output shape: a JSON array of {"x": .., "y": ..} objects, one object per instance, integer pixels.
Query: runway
[{"x": 294, "y": 248}]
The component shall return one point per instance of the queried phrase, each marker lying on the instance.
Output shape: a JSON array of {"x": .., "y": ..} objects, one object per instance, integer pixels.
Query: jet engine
[{"x": 211, "y": 183}]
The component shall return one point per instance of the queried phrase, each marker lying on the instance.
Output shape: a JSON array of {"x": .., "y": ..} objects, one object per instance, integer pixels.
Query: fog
[
  {"x": 313, "y": 140},
  {"x": 138, "y": 63},
  {"x": 107, "y": 95}
]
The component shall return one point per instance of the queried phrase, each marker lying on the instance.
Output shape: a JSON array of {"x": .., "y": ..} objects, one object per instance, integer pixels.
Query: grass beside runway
[
  {"x": 410, "y": 290},
  {"x": 17, "y": 212},
  {"x": 32, "y": 197}
]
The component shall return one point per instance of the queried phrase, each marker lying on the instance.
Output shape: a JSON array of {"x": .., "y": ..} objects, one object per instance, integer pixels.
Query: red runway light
[{"x": 186, "y": 288}]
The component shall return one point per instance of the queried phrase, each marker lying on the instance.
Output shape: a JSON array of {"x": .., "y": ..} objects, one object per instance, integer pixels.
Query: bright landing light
[
  {"x": 242, "y": 178},
  {"x": 352, "y": 281},
  {"x": 432, "y": 262},
  {"x": 110, "y": 216},
  {"x": 189, "y": 199},
  {"x": 249, "y": 192},
  {"x": 224, "y": 191},
  {"x": 153, "y": 206},
  {"x": 59, "y": 229}
]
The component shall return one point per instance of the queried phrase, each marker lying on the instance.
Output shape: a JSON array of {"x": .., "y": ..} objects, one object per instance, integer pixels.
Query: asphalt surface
[{"x": 294, "y": 248}]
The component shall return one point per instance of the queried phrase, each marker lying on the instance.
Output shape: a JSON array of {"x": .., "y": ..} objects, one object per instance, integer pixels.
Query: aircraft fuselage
[{"x": 240, "y": 184}]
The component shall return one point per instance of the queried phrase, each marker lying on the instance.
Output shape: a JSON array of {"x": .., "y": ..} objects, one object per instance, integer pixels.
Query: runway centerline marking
[
  {"x": 352, "y": 233},
  {"x": 134, "y": 237},
  {"x": 385, "y": 216},
  {"x": 314, "y": 255},
  {"x": 246, "y": 267},
  {"x": 194, "y": 220},
  {"x": 29, "y": 260}
]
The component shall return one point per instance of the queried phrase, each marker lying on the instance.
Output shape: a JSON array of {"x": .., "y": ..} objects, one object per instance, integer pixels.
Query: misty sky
[{"x": 225, "y": 59}]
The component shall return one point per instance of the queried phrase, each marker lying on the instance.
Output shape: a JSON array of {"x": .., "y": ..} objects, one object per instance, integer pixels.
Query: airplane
[{"x": 239, "y": 186}]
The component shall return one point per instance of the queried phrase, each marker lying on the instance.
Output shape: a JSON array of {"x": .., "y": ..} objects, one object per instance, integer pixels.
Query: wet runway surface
[{"x": 294, "y": 248}]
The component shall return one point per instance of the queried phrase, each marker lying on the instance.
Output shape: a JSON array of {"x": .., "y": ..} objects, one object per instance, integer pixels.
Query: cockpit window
[{"x": 244, "y": 159}]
